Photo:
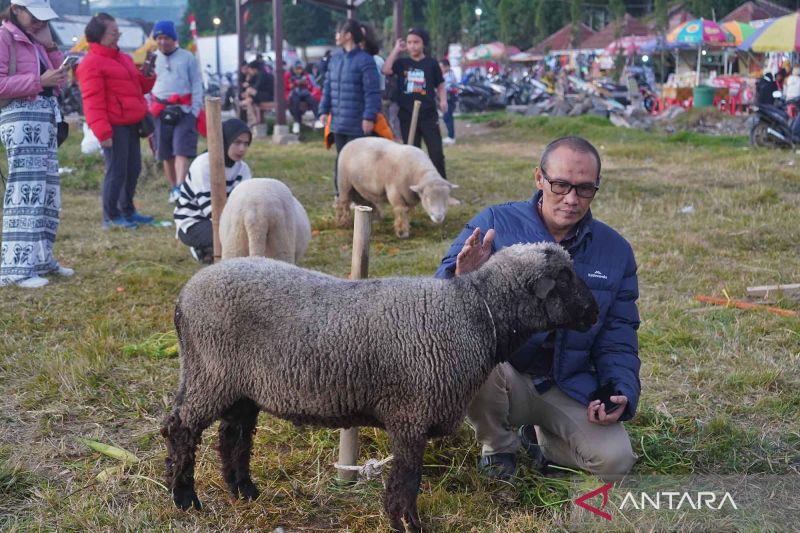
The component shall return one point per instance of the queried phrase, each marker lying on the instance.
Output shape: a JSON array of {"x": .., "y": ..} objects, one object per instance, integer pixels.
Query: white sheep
[
  {"x": 262, "y": 218},
  {"x": 376, "y": 170}
]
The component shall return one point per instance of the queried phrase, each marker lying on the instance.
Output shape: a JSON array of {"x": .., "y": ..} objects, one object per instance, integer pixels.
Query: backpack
[{"x": 12, "y": 63}]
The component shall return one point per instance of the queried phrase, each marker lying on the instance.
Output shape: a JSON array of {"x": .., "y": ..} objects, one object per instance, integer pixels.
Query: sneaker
[
  {"x": 174, "y": 194},
  {"x": 296, "y": 128},
  {"x": 64, "y": 271},
  {"x": 448, "y": 140},
  {"x": 529, "y": 442},
  {"x": 119, "y": 222},
  {"x": 202, "y": 255},
  {"x": 33, "y": 282},
  {"x": 318, "y": 125},
  {"x": 139, "y": 218},
  {"x": 500, "y": 466}
]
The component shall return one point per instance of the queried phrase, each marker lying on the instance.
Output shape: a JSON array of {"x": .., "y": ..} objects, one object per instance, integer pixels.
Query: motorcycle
[
  {"x": 771, "y": 125},
  {"x": 472, "y": 97},
  {"x": 224, "y": 90}
]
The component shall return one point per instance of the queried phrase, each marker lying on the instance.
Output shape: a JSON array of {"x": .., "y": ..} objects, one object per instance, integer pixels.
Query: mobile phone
[
  {"x": 150, "y": 61},
  {"x": 69, "y": 62},
  {"x": 604, "y": 394}
]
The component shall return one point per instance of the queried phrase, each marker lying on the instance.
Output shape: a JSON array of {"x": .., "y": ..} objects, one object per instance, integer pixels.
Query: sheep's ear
[
  {"x": 544, "y": 286},
  {"x": 416, "y": 188},
  {"x": 453, "y": 201}
]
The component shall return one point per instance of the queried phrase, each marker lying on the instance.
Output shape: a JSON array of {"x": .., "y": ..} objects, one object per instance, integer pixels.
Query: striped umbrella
[
  {"x": 739, "y": 30},
  {"x": 780, "y": 35}
]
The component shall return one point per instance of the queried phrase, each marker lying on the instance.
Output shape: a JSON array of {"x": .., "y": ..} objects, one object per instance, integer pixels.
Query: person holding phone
[
  {"x": 113, "y": 102},
  {"x": 30, "y": 79},
  {"x": 567, "y": 391}
]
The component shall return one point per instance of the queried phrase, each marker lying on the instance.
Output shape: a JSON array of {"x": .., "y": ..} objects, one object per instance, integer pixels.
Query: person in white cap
[{"x": 30, "y": 78}]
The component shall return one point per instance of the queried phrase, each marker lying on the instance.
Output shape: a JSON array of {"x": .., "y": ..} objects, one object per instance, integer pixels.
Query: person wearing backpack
[{"x": 30, "y": 78}]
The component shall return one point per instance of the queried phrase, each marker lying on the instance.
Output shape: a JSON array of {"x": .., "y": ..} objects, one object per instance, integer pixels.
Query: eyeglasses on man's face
[{"x": 563, "y": 188}]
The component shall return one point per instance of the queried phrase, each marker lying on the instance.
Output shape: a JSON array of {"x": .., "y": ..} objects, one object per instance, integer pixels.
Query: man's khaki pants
[{"x": 567, "y": 438}]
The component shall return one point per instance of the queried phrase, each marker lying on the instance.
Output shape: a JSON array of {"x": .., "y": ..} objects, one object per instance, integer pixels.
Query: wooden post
[
  {"x": 277, "y": 45},
  {"x": 398, "y": 20},
  {"x": 359, "y": 269},
  {"x": 412, "y": 131},
  {"x": 216, "y": 160}
]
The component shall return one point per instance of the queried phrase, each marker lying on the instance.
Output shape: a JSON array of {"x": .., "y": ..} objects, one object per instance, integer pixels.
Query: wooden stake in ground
[
  {"x": 216, "y": 161},
  {"x": 739, "y": 304},
  {"x": 359, "y": 268},
  {"x": 412, "y": 132}
]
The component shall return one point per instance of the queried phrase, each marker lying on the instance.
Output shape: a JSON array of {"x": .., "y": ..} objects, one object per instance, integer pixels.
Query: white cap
[{"x": 39, "y": 8}]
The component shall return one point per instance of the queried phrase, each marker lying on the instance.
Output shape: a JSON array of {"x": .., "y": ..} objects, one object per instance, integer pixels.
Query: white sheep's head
[
  {"x": 435, "y": 198},
  {"x": 560, "y": 298}
]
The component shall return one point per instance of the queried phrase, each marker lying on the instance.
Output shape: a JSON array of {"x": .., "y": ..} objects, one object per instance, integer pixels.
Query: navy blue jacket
[
  {"x": 603, "y": 259},
  {"x": 351, "y": 92}
]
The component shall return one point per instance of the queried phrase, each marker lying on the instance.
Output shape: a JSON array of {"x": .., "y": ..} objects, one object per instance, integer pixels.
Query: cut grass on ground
[{"x": 89, "y": 356}]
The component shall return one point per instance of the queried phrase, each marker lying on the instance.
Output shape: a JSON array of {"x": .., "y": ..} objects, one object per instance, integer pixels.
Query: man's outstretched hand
[{"x": 474, "y": 253}]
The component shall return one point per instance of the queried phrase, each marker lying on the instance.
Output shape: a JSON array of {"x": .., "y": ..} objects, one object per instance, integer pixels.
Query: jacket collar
[
  {"x": 582, "y": 230},
  {"x": 97, "y": 48},
  {"x": 18, "y": 34}
]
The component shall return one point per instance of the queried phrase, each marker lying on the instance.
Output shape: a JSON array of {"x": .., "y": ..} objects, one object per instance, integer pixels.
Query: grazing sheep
[
  {"x": 262, "y": 218},
  {"x": 404, "y": 354},
  {"x": 377, "y": 170}
]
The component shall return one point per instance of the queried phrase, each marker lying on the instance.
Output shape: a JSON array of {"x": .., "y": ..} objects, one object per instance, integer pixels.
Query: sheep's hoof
[
  {"x": 185, "y": 499},
  {"x": 248, "y": 490}
]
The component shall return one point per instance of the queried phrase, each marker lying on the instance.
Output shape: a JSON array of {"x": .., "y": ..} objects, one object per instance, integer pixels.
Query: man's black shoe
[
  {"x": 501, "y": 466},
  {"x": 527, "y": 438}
]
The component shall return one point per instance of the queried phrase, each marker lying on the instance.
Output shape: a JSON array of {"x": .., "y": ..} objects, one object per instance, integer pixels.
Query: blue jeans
[{"x": 447, "y": 118}]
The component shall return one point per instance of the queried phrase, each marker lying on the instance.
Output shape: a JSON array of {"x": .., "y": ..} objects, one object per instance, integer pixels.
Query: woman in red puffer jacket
[{"x": 113, "y": 102}]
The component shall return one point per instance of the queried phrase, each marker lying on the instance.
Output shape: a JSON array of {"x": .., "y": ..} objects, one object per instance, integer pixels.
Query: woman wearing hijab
[{"x": 193, "y": 208}]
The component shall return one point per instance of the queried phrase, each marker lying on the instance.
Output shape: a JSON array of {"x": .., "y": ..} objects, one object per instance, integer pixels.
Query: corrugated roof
[
  {"x": 604, "y": 37},
  {"x": 561, "y": 39},
  {"x": 756, "y": 10}
]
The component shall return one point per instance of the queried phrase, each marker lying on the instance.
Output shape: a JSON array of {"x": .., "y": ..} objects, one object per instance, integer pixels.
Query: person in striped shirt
[{"x": 193, "y": 208}]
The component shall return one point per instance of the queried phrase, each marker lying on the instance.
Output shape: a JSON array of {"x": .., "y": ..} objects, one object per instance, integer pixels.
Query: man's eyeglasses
[{"x": 563, "y": 188}]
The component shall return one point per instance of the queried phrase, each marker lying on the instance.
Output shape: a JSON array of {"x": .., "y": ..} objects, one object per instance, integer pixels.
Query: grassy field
[{"x": 85, "y": 357}]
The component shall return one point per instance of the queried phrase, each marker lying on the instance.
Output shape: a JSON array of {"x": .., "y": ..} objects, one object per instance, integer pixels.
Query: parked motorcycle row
[{"x": 480, "y": 93}]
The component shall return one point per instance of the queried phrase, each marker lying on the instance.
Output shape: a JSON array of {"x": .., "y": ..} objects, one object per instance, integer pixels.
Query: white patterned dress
[{"x": 32, "y": 198}]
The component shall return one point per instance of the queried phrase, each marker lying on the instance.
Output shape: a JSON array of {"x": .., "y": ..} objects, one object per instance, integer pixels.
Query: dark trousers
[
  {"x": 447, "y": 118},
  {"x": 297, "y": 98},
  {"x": 427, "y": 129},
  {"x": 341, "y": 139},
  {"x": 123, "y": 166},
  {"x": 200, "y": 235}
]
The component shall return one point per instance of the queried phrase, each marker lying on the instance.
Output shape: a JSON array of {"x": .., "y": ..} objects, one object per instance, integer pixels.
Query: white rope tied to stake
[{"x": 369, "y": 470}]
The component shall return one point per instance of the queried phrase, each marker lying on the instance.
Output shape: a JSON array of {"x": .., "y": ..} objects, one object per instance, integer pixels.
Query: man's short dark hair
[
  {"x": 574, "y": 143},
  {"x": 96, "y": 27}
]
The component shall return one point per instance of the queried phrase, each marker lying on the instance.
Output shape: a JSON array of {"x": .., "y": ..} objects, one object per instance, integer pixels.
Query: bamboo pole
[
  {"x": 359, "y": 269},
  {"x": 216, "y": 161},
  {"x": 412, "y": 132}
]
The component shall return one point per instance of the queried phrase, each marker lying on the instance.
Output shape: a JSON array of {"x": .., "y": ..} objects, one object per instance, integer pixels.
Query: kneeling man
[{"x": 567, "y": 392}]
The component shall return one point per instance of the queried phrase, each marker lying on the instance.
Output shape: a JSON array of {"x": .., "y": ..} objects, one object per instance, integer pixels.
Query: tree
[
  {"x": 662, "y": 24},
  {"x": 576, "y": 16},
  {"x": 433, "y": 17}
]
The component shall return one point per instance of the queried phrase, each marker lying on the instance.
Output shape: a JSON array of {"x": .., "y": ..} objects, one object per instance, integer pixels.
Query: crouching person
[
  {"x": 566, "y": 392},
  {"x": 193, "y": 207}
]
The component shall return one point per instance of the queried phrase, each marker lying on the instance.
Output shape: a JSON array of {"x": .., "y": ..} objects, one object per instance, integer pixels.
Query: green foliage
[
  {"x": 576, "y": 17},
  {"x": 435, "y": 22}
]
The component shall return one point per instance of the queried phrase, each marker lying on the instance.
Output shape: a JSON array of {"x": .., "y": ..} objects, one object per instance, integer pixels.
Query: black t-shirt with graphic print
[{"x": 417, "y": 80}]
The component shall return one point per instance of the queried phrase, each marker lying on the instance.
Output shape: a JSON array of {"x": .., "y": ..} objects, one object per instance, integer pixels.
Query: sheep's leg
[
  {"x": 342, "y": 204},
  {"x": 402, "y": 225},
  {"x": 236, "y": 432},
  {"x": 182, "y": 441},
  {"x": 400, "y": 497}
]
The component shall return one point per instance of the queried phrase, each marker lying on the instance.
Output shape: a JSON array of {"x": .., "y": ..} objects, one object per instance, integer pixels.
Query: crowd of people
[{"x": 566, "y": 392}]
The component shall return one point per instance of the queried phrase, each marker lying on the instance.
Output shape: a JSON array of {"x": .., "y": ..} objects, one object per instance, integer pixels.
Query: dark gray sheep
[{"x": 404, "y": 354}]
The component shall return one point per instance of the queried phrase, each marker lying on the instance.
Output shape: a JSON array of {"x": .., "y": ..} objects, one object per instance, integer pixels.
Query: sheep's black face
[{"x": 567, "y": 301}]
